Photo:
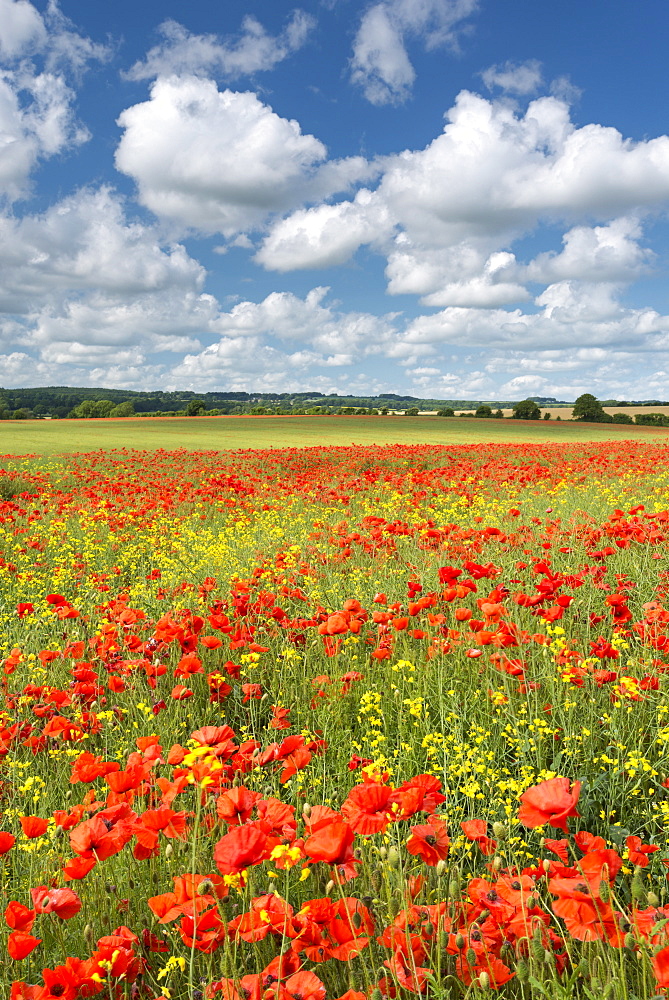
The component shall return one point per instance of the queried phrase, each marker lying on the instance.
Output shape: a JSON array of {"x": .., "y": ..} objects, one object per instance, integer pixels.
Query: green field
[{"x": 52, "y": 437}]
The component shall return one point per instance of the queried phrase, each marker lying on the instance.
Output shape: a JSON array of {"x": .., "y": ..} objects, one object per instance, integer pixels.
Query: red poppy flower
[
  {"x": 550, "y": 802},
  {"x": 331, "y": 843},
  {"x": 20, "y": 944},
  {"x": 33, "y": 826},
  {"x": 63, "y": 902},
  {"x": 242, "y": 846},
  {"x": 367, "y": 808},
  {"x": 477, "y": 830},
  {"x": 429, "y": 842},
  {"x": 7, "y": 841},
  {"x": 77, "y": 868},
  {"x": 19, "y": 917}
]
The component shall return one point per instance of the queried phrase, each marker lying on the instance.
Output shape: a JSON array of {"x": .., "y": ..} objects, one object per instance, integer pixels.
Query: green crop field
[{"x": 52, "y": 437}]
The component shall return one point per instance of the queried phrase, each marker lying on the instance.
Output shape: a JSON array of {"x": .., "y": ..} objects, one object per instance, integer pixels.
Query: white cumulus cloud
[
  {"x": 380, "y": 64},
  {"x": 181, "y": 52}
]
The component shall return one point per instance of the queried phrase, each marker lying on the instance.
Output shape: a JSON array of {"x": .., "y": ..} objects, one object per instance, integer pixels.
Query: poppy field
[{"x": 336, "y": 723}]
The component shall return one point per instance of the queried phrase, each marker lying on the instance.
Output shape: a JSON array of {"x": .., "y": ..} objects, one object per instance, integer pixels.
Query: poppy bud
[
  {"x": 522, "y": 971},
  {"x": 169, "y": 851},
  {"x": 500, "y": 831},
  {"x": 484, "y": 980},
  {"x": 376, "y": 879},
  {"x": 306, "y": 810},
  {"x": 393, "y": 858},
  {"x": 604, "y": 891},
  {"x": 653, "y": 899},
  {"x": 271, "y": 888},
  {"x": 537, "y": 948},
  {"x": 630, "y": 942},
  {"x": 356, "y": 920},
  {"x": 89, "y": 935},
  {"x": 206, "y": 887},
  {"x": 637, "y": 888},
  {"x": 237, "y": 780},
  {"x": 329, "y": 887},
  {"x": 497, "y": 863},
  {"x": 549, "y": 958},
  {"x": 429, "y": 928},
  {"x": 459, "y": 942},
  {"x": 483, "y": 915},
  {"x": 470, "y": 955},
  {"x": 441, "y": 867},
  {"x": 376, "y": 993},
  {"x": 546, "y": 865}
]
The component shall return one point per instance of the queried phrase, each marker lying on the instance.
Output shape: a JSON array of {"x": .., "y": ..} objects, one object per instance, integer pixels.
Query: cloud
[
  {"x": 39, "y": 54},
  {"x": 380, "y": 64},
  {"x": 446, "y": 216},
  {"x": 514, "y": 78},
  {"x": 325, "y": 236},
  {"x": 251, "y": 335},
  {"x": 86, "y": 243},
  {"x": 608, "y": 253},
  {"x": 22, "y": 29},
  {"x": 221, "y": 161},
  {"x": 181, "y": 52}
]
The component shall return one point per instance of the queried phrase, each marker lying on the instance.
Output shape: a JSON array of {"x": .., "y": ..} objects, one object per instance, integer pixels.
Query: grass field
[{"x": 50, "y": 437}]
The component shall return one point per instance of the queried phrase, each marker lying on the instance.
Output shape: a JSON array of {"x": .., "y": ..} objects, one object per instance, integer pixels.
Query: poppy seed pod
[
  {"x": 393, "y": 858},
  {"x": 637, "y": 888}
]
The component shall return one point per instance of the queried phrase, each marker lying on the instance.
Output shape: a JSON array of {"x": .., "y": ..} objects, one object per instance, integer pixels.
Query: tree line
[{"x": 86, "y": 402}]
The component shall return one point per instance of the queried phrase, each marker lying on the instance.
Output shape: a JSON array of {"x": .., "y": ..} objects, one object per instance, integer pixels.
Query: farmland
[
  {"x": 54, "y": 437},
  {"x": 384, "y": 719}
]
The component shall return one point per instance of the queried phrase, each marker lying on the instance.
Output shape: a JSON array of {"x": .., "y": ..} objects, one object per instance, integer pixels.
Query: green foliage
[
  {"x": 483, "y": 411},
  {"x": 123, "y": 410},
  {"x": 648, "y": 419},
  {"x": 195, "y": 407},
  {"x": 526, "y": 409},
  {"x": 446, "y": 411},
  {"x": 587, "y": 407}
]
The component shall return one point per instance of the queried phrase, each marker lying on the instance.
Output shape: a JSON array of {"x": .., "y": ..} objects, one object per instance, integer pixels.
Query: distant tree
[
  {"x": 195, "y": 408},
  {"x": 648, "y": 419},
  {"x": 587, "y": 407},
  {"x": 123, "y": 410},
  {"x": 384, "y": 411},
  {"x": 483, "y": 411},
  {"x": 547, "y": 415},
  {"x": 413, "y": 412},
  {"x": 498, "y": 415},
  {"x": 526, "y": 409},
  {"x": 447, "y": 411},
  {"x": 622, "y": 418}
]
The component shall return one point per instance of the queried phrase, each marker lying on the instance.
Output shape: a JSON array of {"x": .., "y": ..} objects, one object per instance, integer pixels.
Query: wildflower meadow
[{"x": 336, "y": 723}]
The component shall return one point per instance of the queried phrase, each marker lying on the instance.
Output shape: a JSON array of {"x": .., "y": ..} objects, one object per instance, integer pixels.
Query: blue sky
[{"x": 450, "y": 198}]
